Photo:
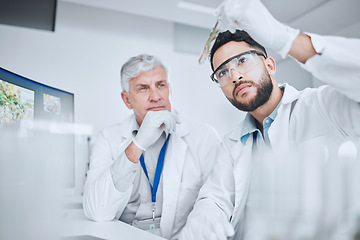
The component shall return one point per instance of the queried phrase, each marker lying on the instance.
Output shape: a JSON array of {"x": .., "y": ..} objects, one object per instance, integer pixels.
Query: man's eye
[
  {"x": 241, "y": 60},
  {"x": 222, "y": 73}
]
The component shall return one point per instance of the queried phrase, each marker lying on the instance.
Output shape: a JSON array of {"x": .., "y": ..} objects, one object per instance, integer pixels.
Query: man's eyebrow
[
  {"x": 221, "y": 66},
  {"x": 161, "y": 81},
  {"x": 141, "y": 85}
]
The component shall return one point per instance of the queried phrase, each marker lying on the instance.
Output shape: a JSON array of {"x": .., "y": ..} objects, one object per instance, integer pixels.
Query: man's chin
[{"x": 246, "y": 107}]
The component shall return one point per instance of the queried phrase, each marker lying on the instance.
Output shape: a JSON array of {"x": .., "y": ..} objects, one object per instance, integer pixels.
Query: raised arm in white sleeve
[{"x": 334, "y": 63}]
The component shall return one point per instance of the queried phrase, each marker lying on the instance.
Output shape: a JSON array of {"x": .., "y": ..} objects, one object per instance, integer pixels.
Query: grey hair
[{"x": 136, "y": 65}]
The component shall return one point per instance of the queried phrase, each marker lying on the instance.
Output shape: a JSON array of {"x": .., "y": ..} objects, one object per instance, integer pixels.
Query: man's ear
[
  {"x": 125, "y": 98},
  {"x": 270, "y": 65}
]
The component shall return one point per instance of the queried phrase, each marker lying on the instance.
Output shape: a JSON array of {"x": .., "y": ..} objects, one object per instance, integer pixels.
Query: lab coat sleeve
[
  {"x": 219, "y": 188},
  {"x": 215, "y": 203},
  {"x": 208, "y": 150},
  {"x": 337, "y": 63},
  {"x": 109, "y": 182},
  {"x": 338, "y": 66}
]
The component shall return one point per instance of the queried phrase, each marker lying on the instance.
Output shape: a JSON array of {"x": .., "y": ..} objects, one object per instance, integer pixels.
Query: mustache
[{"x": 241, "y": 82}]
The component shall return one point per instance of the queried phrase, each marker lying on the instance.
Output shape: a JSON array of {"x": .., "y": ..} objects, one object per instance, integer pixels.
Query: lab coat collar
[
  {"x": 290, "y": 93},
  {"x": 236, "y": 133},
  {"x": 182, "y": 128}
]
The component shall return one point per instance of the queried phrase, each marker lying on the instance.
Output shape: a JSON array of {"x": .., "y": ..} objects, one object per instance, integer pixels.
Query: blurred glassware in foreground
[{"x": 305, "y": 195}]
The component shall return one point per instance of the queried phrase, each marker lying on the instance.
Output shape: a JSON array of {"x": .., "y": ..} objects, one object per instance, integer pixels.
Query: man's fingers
[
  {"x": 169, "y": 124},
  {"x": 164, "y": 120}
]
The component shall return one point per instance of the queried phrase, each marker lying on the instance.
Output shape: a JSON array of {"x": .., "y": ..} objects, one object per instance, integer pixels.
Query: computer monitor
[{"x": 24, "y": 99}]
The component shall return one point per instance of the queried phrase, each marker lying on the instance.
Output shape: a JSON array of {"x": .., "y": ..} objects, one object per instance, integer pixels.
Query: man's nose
[
  {"x": 154, "y": 95},
  {"x": 235, "y": 75}
]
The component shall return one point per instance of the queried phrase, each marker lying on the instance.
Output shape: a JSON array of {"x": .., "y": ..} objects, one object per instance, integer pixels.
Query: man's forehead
[{"x": 135, "y": 82}]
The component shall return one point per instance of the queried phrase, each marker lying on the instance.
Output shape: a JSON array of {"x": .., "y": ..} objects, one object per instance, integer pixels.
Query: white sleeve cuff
[
  {"x": 123, "y": 173},
  {"x": 317, "y": 42},
  {"x": 138, "y": 145}
]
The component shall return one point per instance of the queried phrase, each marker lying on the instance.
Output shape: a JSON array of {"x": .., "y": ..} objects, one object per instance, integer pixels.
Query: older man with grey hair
[{"x": 147, "y": 170}]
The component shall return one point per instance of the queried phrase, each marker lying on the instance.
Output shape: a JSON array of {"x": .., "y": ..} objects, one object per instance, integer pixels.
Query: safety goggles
[{"x": 242, "y": 63}]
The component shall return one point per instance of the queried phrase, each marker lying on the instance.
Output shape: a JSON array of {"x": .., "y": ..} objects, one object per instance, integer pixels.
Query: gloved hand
[
  {"x": 154, "y": 123},
  {"x": 254, "y": 18},
  {"x": 207, "y": 227}
]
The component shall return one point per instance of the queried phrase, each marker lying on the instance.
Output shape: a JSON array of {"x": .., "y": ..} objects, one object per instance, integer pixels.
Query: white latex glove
[
  {"x": 154, "y": 123},
  {"x": 208, "y": 228},
  {"x": 254, "y": 18}
]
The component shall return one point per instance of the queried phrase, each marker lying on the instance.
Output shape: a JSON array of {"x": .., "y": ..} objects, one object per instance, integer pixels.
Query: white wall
[{"x": 84, "y": 56}]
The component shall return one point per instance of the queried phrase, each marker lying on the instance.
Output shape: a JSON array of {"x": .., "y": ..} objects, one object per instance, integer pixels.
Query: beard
[{"x": 264, "y": 90}]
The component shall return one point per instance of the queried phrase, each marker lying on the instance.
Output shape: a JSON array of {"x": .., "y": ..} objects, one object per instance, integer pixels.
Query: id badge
[{"x": 148, "y": 224}]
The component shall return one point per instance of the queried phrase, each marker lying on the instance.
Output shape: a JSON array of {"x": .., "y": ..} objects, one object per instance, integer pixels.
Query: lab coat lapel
[
  {"x": 279, "y": 131},
  {"x": 173, "y": 167},
  {"x": 242, "y": 155}
]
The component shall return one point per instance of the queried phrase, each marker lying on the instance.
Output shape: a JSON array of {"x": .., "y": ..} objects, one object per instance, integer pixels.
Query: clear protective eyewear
[{"x": 242, "y": 63}]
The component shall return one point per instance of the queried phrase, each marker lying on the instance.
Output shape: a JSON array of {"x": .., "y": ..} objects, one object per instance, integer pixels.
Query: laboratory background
[{"x": 81, "y": 47}]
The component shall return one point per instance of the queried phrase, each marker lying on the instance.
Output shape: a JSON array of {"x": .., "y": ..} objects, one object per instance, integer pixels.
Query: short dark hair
[{"x": 238, "y": 36}]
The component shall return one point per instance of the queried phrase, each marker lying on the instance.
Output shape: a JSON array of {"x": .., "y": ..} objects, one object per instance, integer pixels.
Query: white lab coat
[
  {"x": 330, "y": 112},
  {"x": 191, "y": 152}
]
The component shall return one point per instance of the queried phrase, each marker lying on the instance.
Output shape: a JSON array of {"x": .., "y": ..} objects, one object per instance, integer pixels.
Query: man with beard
[{"x": 281, "y": 123}]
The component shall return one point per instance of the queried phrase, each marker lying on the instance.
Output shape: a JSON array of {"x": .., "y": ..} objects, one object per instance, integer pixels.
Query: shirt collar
[
  {"x": 248, "y": 128},
  {"x": 249, "y": 125}
]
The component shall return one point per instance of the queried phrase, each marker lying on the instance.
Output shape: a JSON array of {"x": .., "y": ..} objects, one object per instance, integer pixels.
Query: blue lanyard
[{"x": 159, "y": 167}]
